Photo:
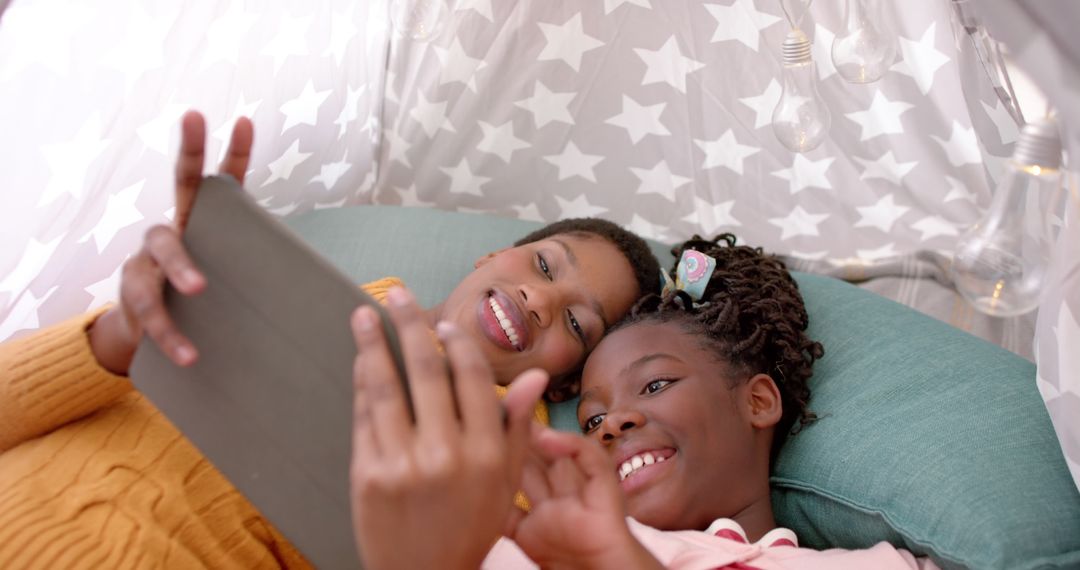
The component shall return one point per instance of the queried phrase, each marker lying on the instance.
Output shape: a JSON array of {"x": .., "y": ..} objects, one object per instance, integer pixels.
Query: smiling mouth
[
  {"x": 636, "y": 464},
  {"x": 505, "y": 323}
]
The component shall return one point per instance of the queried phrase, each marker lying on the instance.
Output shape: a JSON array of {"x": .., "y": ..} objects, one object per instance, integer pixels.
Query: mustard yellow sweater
[{"x": 93, "y": 476}]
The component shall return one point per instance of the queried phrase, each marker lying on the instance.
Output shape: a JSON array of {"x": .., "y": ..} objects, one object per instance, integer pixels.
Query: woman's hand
[
  {"x": 115, "y": 335},
  {"x": 578, "y": 516},
  {"x": 434, "y": 492}
]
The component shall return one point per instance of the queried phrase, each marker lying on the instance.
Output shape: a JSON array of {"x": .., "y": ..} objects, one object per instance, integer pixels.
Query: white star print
[
  {"x": 35, "y": 258},
  {"x": 885, "y": 168},
  {"x": 573, "y": 162},
  {"x": 224, "y": 130},
  {"x": 798, "y": 223},
  {"x": 280, "y": 211},
  {"x": 157, "y": 133},
  {"x": 462, "y": 179},
  {"x": 805, "y": 173},
  {"x": 639, "y": 120},
  {"x": 725, "y": 151},
  {"x": 331, "y": 172},
  {"x": 547, "y": 106},
  {"x": 351, "y": 110},
  {"x": 304, "y": 109},
  {"x": 482, "y": 7},
  {"x": 282, "y": 168},
  {"x": 667, "y": 65},
  {"x": 330, "y": 205},
  {"x": 611, "y": 5},
  {"x": 1006, "y": 125},
  {"x": 883, "y": 117},
  {"x": 107, "y": 290},
  {"x": 500, "y": 140},
  {"x": 882, "y": 215},
  {"x": 647, "y": 229},
  {"x": 822, "y": 52},
  {"x": 120, "y": 212},
  {"x": 932, "y": 226},
  {"x": 1067, "y": 333},
  {"x": 431, "y": 116},
  {"x": 921, "y": 60},
  {"x": 23, "y": 315},
  {"x": 809, "y": 255},
  {"x": 958, "y": 191},
  {"x": 711, "y": 218},
  {"x": 659, "y": 180},
  {"x": 962, "y": 147},
  {"x": 567, "y": 42},
  {"x": 23, "y": 43},
  {"x": 887, "y": 250},
  {"x": 291, "y": 39},
  {"x": 740, "y": 21},
  {"x": 398, "y": 147},
  {"x": 528, "y": 212},
  {"x": 140, "y": 48},
  {"x": 578, "y": 207},
  {"x": 410, "y": 197},
  {"x": 226, "y": 35},
  {"x": 70, "y": 161},
  {"x": 342, "y": 31},
  {"x": 457, "y": 66},
  {"x": 764, "y": 104}
]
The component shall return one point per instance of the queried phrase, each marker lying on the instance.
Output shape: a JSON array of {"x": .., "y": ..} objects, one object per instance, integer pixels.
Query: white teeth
[
  {"x": 635, "y": 463},
  {"x": 504, "y": 322}
]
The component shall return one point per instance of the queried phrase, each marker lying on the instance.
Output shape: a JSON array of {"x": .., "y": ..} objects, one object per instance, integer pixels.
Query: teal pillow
[{"x": 929, "y": 438}]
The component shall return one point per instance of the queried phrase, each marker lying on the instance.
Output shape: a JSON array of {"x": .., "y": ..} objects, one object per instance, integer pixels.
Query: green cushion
[{"x": 930, "y": 438}]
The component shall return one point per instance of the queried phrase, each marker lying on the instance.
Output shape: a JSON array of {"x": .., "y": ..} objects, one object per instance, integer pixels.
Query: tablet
[{"x": 269, "y": 401}]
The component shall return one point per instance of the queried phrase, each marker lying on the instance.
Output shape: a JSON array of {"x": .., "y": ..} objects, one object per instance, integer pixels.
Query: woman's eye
[
  {"x": 655, "y": 386},
  {"x": 574, "y": 324},
  {"x": 592, "y": 423},
  {"x": 543, "y": 265}
]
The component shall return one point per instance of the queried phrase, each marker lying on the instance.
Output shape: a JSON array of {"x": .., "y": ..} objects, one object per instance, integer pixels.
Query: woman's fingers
[
  {"x": 167, "y": 251},
  {"x": 429, "y": 383},
  {"x": 365, "y": 447},
  {"x": 189, "y": 165},
  {"x": 374, "y": 369},
  {"x": 473, "y": 383},
  {"x": 144, "y": 306},
  {"x": 238, "y": 156}
]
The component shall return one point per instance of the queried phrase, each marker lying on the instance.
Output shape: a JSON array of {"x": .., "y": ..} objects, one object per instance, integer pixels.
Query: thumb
[{"x": 520, "y": 401}]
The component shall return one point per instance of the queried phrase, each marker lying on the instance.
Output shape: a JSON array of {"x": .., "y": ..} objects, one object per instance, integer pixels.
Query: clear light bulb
[
  {"x": 1001, "y": 261},
  {"x": 419, "y": 20},
  {"x": 866, "y": 48},
  {"x": 800, "y": 120}
]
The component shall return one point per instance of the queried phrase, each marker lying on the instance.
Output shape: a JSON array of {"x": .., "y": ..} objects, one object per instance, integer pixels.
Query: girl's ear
[
  {"x": 764, "y": 404},
  {"x": 488, "y": 258}
]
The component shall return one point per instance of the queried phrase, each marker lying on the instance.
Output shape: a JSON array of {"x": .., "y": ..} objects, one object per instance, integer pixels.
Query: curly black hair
[
  {"x": 752, "y": 316},
  {"x": 636, "y": 251}
]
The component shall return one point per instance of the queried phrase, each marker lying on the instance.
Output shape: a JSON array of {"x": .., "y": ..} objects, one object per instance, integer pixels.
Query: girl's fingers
[
  {"x": 519, "y": 403},
  {"x": 534, "y": 480},
  {"x": 167, "y": 250},
  {"x": 144, "y": 305},
  {"x": 374, "y": 370}
]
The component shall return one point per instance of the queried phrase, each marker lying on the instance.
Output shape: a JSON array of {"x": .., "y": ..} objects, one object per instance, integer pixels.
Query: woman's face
[
  {"x": 544, "y": 304},
  {"x": 676, "y": 426}
]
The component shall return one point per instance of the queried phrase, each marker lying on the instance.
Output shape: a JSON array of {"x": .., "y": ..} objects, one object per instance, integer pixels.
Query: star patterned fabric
[{"x": 656, "y": 115}]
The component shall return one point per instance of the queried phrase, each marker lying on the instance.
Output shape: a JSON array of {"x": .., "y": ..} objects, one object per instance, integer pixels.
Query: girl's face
[
  {"x": 680, "y": 431},
  {"x": 544, "y": 304}
]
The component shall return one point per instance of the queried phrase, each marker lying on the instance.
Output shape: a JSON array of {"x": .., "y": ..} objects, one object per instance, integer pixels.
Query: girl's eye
[
  {"x": 656, "y": 385},
  {"x": 544, "y": 266},
  {"x": 592, "y": 423}
]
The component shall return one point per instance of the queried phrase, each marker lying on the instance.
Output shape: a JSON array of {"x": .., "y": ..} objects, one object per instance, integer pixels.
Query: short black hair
[
  {"x": 752, "y": 317},
  {"x": 637, "y": 252}
]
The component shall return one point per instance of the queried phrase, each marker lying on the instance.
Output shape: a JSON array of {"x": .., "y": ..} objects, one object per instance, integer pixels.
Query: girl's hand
[
  {"x": 578, "y": 516},
  {"x": 115, "y": 335},
  {"x": 434, "y": 492}
]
